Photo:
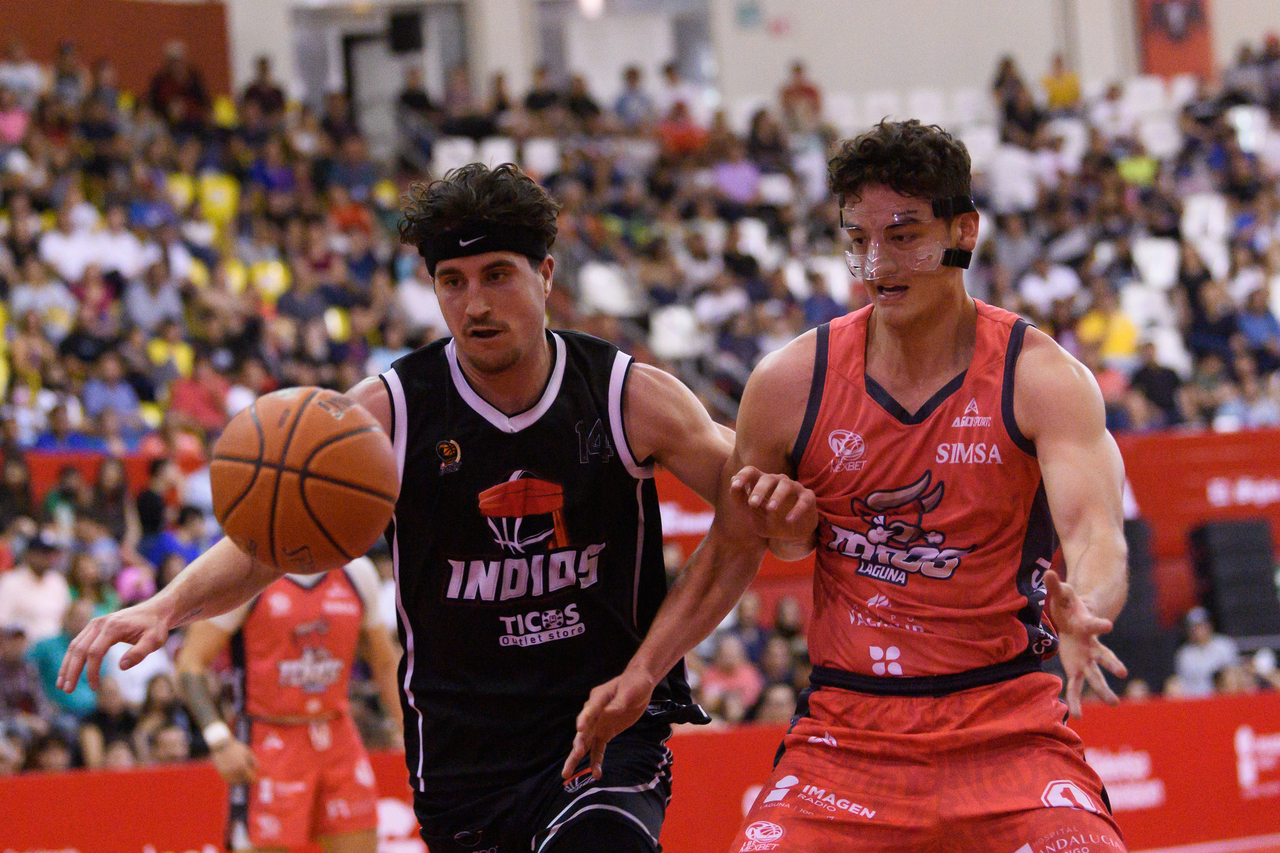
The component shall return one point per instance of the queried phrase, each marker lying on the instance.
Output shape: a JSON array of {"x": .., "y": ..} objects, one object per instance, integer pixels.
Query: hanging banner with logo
[{"x": 1176, "y": 37}]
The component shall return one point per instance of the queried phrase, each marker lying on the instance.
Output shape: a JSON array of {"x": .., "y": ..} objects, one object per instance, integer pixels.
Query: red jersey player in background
[
  {"x": 948, "y": 445},
  {"x": 297, "y": 768}
]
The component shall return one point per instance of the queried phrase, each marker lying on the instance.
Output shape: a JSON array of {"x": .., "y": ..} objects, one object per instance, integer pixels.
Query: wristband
[{"x": 216, "y": 734}]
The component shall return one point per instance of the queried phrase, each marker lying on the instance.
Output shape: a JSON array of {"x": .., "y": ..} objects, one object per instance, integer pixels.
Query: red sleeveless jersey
[
  {"x": 935, "y": 528},
  {"x": 297, "y": 645}
]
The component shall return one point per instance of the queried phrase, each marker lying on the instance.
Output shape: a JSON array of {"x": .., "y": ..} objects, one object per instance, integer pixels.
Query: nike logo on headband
[{"x": 472, "y": 240}]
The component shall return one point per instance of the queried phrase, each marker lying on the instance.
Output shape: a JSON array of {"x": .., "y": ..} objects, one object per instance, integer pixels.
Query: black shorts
[{"x": 633, "y": 791}]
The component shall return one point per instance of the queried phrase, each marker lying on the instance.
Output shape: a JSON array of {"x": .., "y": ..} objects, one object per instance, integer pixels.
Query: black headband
[{"x": 477, "y": 238}]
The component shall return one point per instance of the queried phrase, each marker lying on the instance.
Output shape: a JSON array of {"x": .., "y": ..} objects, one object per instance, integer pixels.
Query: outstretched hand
[
  {"x": 781, "y": 507},
  {"x": 1082, "y": 653},
  {"x": 140, "y": 625},
  {"x": 611, "y": 709}
]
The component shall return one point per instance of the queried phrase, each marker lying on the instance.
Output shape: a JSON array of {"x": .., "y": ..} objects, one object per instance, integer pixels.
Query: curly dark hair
[
  {"x": 908, "y": 157},
  {"x": 475, "y": 193}
]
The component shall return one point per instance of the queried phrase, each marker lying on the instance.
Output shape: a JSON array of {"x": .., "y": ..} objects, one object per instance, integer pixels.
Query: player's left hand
[
  {"x": 611, "y": 709},
  {"x": 781, "y": 507},
  {"x": 1082, "y": 653}
]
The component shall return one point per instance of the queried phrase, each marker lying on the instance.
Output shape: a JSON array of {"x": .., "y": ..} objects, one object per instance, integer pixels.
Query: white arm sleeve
[{"x": 365, "y": 578}]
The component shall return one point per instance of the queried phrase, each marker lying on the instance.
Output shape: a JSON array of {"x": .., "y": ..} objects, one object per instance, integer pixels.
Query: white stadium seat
[
  {"x": 929, "y": 105},
  {"x": 841, "y": 111},
  {"x": 540, "y": 156},
  {"x": 496, "y": 150},
  {"x": 674, "y": 334},
  {"x": 971, "y": 105},
  {"x": 1146, "y": 95},
  {"x": 1157, "y": 260},
  {"x": 881, "y": 104},
  {"x": 452, "y": 152},
  {"x": 604, "y": 288}
]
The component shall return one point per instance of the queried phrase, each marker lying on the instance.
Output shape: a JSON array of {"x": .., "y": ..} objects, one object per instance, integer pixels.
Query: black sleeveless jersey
[{"x": 528, "y": 560}]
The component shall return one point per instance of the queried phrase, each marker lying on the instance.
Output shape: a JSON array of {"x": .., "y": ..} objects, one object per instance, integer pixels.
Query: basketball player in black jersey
[{"x": 526, "y": 541}]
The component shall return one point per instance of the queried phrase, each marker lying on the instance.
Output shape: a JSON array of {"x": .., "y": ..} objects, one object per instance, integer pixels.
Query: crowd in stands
[{"x": 167, "y": 256}]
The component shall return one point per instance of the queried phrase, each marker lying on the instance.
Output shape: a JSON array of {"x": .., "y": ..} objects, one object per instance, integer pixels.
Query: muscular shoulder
[
  {"x": 372, "y": 394},
  {"x": 658, "y": 410},
  {"x": 774, "y": 403},
  {"x": 1053, "y": 392}
]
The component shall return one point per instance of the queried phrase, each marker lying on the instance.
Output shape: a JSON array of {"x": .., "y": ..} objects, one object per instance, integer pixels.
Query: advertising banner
[{"x": 1177, "y": 772}]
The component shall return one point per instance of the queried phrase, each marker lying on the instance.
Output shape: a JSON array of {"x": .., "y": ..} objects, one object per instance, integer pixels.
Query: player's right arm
[
  {"x": 233, "y": 759},
  {"x": 756, "y": 502},
  {"x": 219, "y": 580}
]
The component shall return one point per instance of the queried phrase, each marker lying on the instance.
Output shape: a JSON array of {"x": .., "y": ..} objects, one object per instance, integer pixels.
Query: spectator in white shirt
[
  {"x": 22, "y": 75},
  {"x": 34, "y": 594},
  {"x": 50, "y": 299},
  {"x": 117, "y": 248},
  {"x": 150, "y": 302},
  {"x": 1045, "y": 284},
  {"x": 66, "y": 248},
  {"x": 1205, "y": 654}
]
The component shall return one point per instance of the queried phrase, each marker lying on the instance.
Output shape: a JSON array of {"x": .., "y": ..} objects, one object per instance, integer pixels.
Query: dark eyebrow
[{"x": 492, "y": 265}]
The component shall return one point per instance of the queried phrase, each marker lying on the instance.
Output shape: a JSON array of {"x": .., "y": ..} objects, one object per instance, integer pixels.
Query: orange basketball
[{"x": 304, "y": 479}]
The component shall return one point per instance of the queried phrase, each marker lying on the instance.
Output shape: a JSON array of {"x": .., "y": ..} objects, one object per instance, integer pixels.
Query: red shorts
[
  {"x": 988, "y": 769},
  {"x": 312, "y": 780}
]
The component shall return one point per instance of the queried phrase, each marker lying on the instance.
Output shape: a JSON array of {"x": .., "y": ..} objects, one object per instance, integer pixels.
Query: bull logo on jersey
[
  {"x": 896, "y": 543},
  {"x": 525, "y": 514},
  {"x": 315, "y": 627}
]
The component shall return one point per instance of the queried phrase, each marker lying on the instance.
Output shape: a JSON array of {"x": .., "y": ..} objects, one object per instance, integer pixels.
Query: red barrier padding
[{"x": 1178, "y": 772}]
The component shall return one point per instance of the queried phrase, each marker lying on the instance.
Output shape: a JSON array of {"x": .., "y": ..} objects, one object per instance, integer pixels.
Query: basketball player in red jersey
[
  {"x": 297, "y": 768},
  {"x": 949, "y": 444}
]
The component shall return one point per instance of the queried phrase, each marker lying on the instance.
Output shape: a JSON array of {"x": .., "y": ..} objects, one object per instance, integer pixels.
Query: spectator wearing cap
[
  {"x": 46, "y": 655},
  {"x": 33, "y": 594},
  {"x": 1204, "y": 654},
  {"x": 24, "y": 709}
]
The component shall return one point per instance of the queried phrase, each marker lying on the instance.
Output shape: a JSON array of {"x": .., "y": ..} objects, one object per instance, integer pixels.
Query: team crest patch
[
  {"x": 450, "y": 456},
  {"x": 761, "y": 835},
  {"x": 847, "y": 449}
]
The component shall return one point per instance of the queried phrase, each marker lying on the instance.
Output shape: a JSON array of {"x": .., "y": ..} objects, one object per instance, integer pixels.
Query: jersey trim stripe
[
  {"x": 481, "y": 407},
  {"x": 1006, "y": 390},
  {"x": 617, "y": 384},
  {"x": 408, "y": 644},
  {"x": 816, "y": 385},
  {"x": 896, "y": 410},
  {"x": 635, "y": 586},
  {"x": 399, "y": 419}
]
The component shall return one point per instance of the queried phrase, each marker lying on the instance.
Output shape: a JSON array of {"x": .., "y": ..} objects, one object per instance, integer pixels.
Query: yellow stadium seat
[
  {"x": 271, "y": 278},
  {"x": 338, "y": 323}
]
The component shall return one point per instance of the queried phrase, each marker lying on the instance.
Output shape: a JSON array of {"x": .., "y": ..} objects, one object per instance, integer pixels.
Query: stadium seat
[
  {"x": 1013, "y": 181},
  {"x": 496, "y": 150},
  {"x": 1251, "y": 124},
  {"x": 1146, "y": 95},
  {"x": 1182, "y": 88},
  {"x": 741, "y": 109},
  {"x": 1075, "y": 139},
  {"x": 1148, "y": 307},
  {"x": 971, "y": 105},
  {"x": 1171, "y": 351},
  {"x": 929, "y": 105},
  {"x": 793, "y": 274},
  {"x": 841, "y": 110},
  {"x": 1157, "y": 259},
  {"x": 982, "y": 140},
  {"x": 674, "y": 334},
  {"x": 540, "y": 156},
  {"x": 1205, "y": 216},
  {"x": 604, "y": 288},
  {"x": 452, "y": 152},
  {"x": 777, "y": 189},
  {"x": 753, "y": 238},
  {"x": 1215, "y": 254},
  {"x": 835, "y": 271},
  {"x": 1160, "y": 136},
  {"x": 881, "y": 104}
]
